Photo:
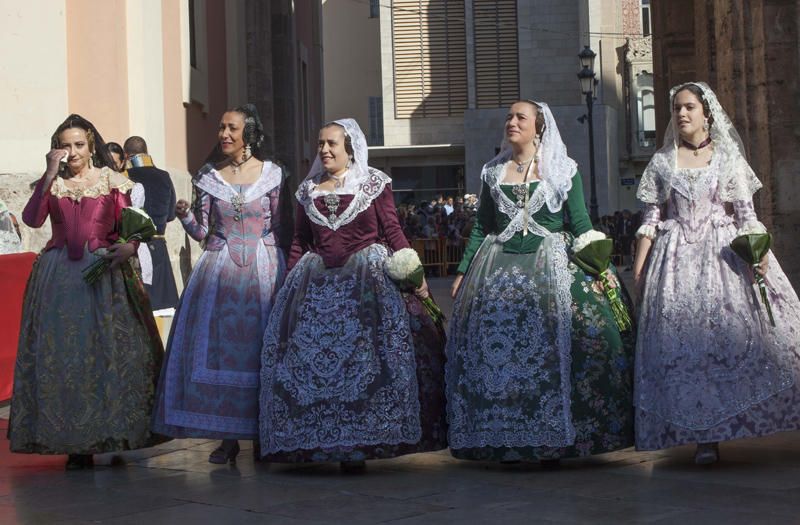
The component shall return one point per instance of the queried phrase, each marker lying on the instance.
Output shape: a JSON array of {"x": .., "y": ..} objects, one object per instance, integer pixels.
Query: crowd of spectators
[
  {"x": 452, "y": 219},
  {"x": 443, "y": 217},
  {"x": 622, "y": 226}
]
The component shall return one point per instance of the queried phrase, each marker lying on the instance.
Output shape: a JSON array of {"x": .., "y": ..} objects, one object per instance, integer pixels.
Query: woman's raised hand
[{"x": 181, "y": 208}]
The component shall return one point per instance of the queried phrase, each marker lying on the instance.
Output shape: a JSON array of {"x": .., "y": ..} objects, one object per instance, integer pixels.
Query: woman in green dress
[{"x": 537, "y": 368}]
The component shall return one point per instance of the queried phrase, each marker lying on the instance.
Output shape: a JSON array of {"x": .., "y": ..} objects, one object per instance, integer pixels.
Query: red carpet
[{"x": 14, "y": 271}]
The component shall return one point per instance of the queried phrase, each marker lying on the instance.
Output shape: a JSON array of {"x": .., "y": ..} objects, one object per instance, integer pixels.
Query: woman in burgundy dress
[
  {"x": 89, "y": 354},
  {"x": 352, "y": 368}
]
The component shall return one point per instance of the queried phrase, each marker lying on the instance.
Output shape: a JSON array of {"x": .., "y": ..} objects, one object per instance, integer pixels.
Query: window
[
  {"x": 192, "y": 36},
  {"x": 430, "y": 58},
  {"x": 375, "y": 121},
  {"x": 496, "y": 58},
  {"x": 647, "y": 118},
  {"x": 374, "y": 9},
  {"x": 646, "y": 23}
]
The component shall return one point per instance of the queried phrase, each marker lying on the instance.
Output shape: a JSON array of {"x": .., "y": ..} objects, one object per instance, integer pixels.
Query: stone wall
[{"x": 748, "y": 53}]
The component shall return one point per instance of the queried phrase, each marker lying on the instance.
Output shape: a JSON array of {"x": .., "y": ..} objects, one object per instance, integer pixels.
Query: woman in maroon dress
[
  {"x": 89, "y": 354},
  {"x": 352, "y": 368}
]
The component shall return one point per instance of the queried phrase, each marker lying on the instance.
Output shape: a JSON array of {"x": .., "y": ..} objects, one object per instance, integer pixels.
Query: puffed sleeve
[
  {"x": 388, "y": 221},
  {"x": 302, "y": 240},
  {"x": 38, "y": 207},
  {"x": 580, "y": 222},
  {"x": 650, "y": 220},
  {"x": 196, "y": 221},
  {"x": 484, "y": 224}
]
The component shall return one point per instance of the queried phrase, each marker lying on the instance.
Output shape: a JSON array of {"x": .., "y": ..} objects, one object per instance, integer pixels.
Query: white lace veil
[
  {"x": 736, "y": 179},
  {"x": 9, "y": 240},
  {"x": 357, "y": 174},
  {"x": 556, "y": 168}
]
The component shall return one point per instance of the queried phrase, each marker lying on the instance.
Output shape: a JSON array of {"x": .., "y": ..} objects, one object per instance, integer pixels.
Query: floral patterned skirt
[
  {"x": 351, "y": 368},
  {"x": 709, "y": 365},
  {"x": 536, "y": 366},
  {"x": 209, "y": 383},
  {"x": 87, "y": 362}
]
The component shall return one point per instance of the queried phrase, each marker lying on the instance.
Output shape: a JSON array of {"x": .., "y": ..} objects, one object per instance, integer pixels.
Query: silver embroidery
[
  {"x": 337, "y": 373},
  {"x": 509, "y": 351},
  {"x": 332, "y": 203}
]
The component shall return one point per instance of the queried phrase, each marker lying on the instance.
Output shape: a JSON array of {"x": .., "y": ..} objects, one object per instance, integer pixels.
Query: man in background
[{"x": 159, "y": 203}]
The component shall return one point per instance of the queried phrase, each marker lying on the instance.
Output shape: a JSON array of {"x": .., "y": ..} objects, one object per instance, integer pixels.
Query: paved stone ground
[{"x": 758, "y": 481}]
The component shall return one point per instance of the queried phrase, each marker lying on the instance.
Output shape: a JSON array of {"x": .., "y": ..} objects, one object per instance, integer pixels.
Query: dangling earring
[
  {"x": 349, "y": 162},
  {"x": 246, "y": 153},
  {"x": 705, "y": 125}
]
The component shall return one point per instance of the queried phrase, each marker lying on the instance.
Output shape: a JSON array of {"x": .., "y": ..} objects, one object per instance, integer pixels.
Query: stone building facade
[
  {"x": 162, "y": 69},
  {"x": 450, "y": 68},
  {"x": 749, "y": 53}
]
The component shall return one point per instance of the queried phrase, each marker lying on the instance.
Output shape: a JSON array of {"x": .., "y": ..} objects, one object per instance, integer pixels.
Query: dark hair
[
  {"x": 252, "y": 135},
  {"x": 348, "y": 142},
  {"x": 698, "y": 92},
  {"x": 100, "y": 155},
  {"x": 135, "y": 145},
  {"x": 540, "y": 125},
  {"x": 113, "y": 147}
]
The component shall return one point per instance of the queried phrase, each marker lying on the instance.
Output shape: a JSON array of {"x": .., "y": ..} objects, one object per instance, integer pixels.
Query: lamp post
[{"x": 587, "y": 79}]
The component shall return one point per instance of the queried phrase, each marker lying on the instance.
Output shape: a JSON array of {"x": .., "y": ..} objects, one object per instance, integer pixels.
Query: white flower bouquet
[{"x": 405, "y": 269}]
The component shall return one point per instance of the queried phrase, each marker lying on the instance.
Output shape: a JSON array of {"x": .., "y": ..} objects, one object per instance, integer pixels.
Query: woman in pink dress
[
  {"x": 709, "y": 364},
  {"x": 89, "y": 354}
]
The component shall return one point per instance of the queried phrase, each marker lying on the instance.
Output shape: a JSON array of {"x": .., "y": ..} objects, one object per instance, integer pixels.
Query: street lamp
[{"x": 587, "y": 79}]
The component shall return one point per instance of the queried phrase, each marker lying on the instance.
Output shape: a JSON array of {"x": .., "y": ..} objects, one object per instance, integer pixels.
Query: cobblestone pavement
[{"x": 758, "y": 481}]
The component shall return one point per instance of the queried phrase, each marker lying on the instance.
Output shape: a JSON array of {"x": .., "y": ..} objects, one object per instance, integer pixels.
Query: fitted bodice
[
  {"x": 80, "y": 219},
  {"x": 235, "y": 215},
  {"x": 694, "y": 202},
  {"x": 377, "y": 222}
]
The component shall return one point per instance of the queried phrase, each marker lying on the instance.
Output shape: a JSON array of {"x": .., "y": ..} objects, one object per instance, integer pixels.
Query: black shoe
[
  {"x": 79, "y": 462},
  {"x": 353, "y": 467},
  {"x": 706, "y": 453},
  {"x": 550, "y": 464},
  {"x": 226, "y": 452}
]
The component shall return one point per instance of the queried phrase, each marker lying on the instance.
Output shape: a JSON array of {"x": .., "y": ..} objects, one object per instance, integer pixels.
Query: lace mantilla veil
[
  {"x": 363, "y": 182},
  {"x": 737, "y": 182},
  {"x": 556, "y": 168}
]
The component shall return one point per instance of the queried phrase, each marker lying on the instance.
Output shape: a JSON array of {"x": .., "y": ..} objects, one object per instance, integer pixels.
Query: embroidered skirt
[
  {"x": 209, "y": 385},
  {"x": 87, "y": 363},
  {"x": 536, "y": 366},
  {"x": 351, "y": 368}
]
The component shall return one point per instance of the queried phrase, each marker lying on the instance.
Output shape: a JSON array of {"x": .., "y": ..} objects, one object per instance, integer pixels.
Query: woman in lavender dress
[
  {"x": 209, "y": 384},
  {"x": 352, "y": 369},
  {"x": 709, "y": 366}
]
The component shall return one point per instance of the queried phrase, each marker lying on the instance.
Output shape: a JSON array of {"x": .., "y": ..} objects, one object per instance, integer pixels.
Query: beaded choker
[{"x": 696, "y": 149}]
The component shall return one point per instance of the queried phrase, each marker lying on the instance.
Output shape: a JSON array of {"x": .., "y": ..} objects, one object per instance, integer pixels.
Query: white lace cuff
[
  {"x": 751, "y": 227},
  {"x": 646, "y": 230},
  {"x": 188, "y": 219},
  {"x": 583, "y": 240}
]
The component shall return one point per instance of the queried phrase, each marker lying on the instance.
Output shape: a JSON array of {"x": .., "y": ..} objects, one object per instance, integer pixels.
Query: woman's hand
[
  {"x": 54, "y": 158},
  {"x": 182, "y": 208},
  {"x": 119, "y": 253},
  {"x": 456, "y": 285},
  {"x": 422, "y": 291},
  {"x": 763, "y": 266}
]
